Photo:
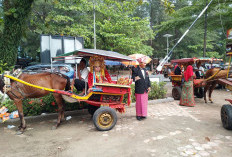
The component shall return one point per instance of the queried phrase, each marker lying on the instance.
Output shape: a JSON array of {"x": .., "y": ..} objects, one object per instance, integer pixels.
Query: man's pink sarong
[{"x": 141, "y": 104}]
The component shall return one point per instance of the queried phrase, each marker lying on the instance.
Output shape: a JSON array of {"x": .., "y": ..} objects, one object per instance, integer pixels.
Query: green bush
[
  {"x": 8, "y": 103},
  {"x": 157, "y": 91},
  {"x": 4, "y": 67},
  {"x": 46, "y": 104}
]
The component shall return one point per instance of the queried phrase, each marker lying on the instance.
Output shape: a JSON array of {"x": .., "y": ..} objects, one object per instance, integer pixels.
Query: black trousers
[{"x": 80, "y": 85}]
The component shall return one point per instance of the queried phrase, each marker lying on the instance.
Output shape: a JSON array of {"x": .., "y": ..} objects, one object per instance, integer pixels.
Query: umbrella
[{"x": 135, "y": 57}]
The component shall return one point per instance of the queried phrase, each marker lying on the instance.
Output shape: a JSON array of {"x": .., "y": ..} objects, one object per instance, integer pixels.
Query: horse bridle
[
  {"x": 2, "y": 76},
  {"x": 3, "y": 81}
]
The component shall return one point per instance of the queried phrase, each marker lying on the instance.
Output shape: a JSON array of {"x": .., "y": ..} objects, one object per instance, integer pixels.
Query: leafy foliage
[
  {"x": 125, "y": 26},
  {"x": 157, "y": 91},
  {"x": 4, "y": 67},
  {"x": 15, "y": 15},
  {"x": 169, "y": 7},
  {"x": 192, "y": 46},
  {"x": 46, "y": 104},
  {"x": 117, "y": 29}
]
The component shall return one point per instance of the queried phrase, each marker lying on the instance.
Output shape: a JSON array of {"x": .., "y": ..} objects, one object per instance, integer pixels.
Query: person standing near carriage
[
  {"x": 142, "y": 88},
  {"x": 187, "y": 96},
  {"x": 199, "y": 72},
  {"x": 177, "y": 70},
  {"x": 80, "y": 82}
]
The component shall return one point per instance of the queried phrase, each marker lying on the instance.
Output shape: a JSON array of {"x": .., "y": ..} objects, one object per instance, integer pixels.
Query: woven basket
[{"x": 69, "y": 99}]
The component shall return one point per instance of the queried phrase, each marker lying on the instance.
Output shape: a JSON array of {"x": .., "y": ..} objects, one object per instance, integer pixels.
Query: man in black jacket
[{"x": 142, "y": 87}]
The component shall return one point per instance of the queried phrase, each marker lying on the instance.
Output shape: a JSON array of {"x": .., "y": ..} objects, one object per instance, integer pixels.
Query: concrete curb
[
  {"x": 157, "y": 101},
  {"x": 48, "y": 116},
  {"x": 81, "y": 112}
]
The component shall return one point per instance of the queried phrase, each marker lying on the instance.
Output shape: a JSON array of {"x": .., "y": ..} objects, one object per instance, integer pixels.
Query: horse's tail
[{"x": 67, "y": 87}]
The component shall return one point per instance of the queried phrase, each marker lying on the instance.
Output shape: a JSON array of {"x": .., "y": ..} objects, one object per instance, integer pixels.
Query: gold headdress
[{"x": 97, "y": 61}]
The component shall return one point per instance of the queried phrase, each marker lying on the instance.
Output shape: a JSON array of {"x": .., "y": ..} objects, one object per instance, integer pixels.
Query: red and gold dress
[
  {"x": 99, "y": 78},
  {"x": 187, "y": 96}
]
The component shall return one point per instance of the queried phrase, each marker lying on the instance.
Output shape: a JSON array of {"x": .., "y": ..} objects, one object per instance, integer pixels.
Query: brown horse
[
  {"x": 19, "y": 91},
  {"x": 213, "y": 75}
]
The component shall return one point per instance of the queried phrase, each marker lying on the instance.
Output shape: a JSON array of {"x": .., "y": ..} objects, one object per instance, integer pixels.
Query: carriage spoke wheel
[
  {"x": 176, "y": 93},
  {"x": 104, "y": 118},
  {"x": 226, "y": 116}
]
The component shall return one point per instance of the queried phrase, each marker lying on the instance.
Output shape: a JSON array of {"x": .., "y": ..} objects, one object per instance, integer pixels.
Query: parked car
[
  {"x": 22, "y": 62},
  {"x": 209, "y": 66},
  {"x": 62, "y": 68}
]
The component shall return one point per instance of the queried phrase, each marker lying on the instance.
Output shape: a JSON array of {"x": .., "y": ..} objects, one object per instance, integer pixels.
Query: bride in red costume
[{"x": 98, "y": 72}]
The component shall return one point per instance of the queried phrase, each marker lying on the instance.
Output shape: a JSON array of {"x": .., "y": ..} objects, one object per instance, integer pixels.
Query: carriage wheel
[
  {"x": 226, "y": 116},
  {"x": 166, "y": 75},
  {"x": 92, "y": 109},
  {"x": 176, "y": 93},
  {"x": 104, "y": 118}
]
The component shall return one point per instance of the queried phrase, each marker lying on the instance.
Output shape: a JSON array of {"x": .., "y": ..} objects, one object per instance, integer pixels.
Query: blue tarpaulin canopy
[{"x": 109, "y": 62}]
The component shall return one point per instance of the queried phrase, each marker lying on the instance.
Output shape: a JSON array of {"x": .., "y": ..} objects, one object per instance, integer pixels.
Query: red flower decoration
[
  {"x": 53, "y": 103},
  {"x": 30, "y": 102},
  {"x": 41, "y": 100}
]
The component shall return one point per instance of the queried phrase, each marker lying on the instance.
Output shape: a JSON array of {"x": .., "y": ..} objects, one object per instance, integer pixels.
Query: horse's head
[{"x": 2, "y": 84}]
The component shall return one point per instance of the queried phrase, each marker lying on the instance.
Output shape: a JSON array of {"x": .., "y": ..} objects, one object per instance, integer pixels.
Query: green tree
[
  {"x": 120, "y": 30},
  {"x": 117, "y": 28},
  {"x": 15, "y": 16},
  {"x": 1, "y": 17},
  {"x": 218, "y": 21}
]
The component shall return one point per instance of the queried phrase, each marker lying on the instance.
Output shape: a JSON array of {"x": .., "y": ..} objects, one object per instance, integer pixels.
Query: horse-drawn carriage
[
  {"x": 197, "y": 82},
  {"x": 104, "y": 99},
  {"x": 226, "y": 110},
  {"x": 177, "y": 79},
  {"x": 166, "y": 70}
]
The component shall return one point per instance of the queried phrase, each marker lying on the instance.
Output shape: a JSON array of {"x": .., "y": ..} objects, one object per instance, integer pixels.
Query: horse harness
[
  {"x": 8, "y": 88},
  {"x": 7, "y": 85}
]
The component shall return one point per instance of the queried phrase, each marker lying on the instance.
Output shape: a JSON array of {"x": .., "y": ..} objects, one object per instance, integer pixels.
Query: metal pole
[
  {"x": 50, "y": 38},
  {"x": 51, "y": 64},
  {"x": 76, "y": 67},
  {"x": 165, "y": 60},
  {"x": 167, "y": 45},
  {"x": 94, "y": 28},
  {"x": 205, "y": 35}
]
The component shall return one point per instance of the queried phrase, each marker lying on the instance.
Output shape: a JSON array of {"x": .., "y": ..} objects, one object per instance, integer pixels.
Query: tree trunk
[{"x": 16, "y": 13}]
